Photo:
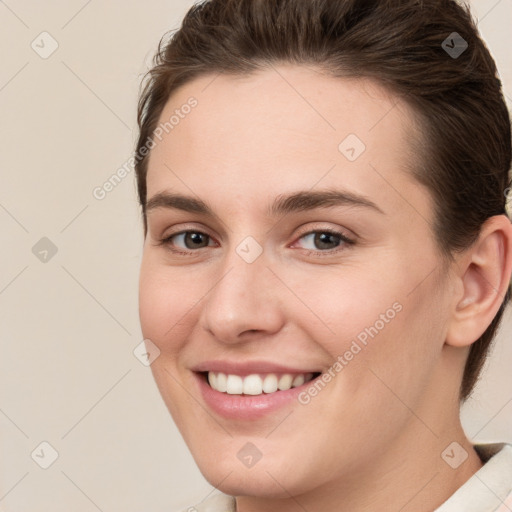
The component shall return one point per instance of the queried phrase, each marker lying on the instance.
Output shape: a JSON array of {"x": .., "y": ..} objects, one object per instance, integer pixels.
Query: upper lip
[{"x": 247, "y": 367}]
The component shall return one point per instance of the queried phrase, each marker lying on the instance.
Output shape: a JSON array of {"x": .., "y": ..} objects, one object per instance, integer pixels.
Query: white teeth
[
  {"x": 285, "y": 382},
  {"x": 235, "y": 385},
  {"x": 298, "y": 381},
  {"x": 221, "y": 382},
  {"x": 252, "y": 385},
  {"x": 255, "y": 384},
  {"x": 269, "y": 383}
]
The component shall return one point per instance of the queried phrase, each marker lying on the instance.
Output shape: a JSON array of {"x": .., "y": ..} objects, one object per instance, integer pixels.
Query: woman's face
[{"x": 270, "y": 283}]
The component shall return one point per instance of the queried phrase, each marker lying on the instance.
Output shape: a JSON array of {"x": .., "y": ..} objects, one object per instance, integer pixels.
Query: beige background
[{"x": 69, "y": 325}]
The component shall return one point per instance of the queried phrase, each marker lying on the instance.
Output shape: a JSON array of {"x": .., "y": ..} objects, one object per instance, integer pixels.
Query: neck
[{"x": 414, "y": 474}]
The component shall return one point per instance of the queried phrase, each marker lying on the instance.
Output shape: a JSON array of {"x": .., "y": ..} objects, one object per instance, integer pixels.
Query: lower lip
[{"x": 247, "y": 407}]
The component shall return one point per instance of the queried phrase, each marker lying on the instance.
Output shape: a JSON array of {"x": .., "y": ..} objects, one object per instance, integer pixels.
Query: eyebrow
[{"x": 300, "y": 201}]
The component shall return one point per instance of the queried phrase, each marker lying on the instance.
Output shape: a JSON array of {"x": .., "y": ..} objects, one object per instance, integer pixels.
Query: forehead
[{"x": 281, "y": 129}]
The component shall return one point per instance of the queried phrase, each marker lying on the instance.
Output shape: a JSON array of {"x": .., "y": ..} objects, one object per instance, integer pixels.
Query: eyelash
[{"x": 347, "y": 242}]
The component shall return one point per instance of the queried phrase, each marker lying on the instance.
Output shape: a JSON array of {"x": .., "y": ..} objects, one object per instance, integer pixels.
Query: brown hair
[{"x": 405, "y": 45}]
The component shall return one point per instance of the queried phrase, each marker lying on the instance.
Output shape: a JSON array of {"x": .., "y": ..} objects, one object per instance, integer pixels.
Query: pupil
[
  {"x": 196, "y": 238},
  {"x": 323, "y": 238}
]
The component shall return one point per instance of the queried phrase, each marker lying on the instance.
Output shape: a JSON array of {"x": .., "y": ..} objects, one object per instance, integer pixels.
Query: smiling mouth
[{"x": 256, "y": 384}]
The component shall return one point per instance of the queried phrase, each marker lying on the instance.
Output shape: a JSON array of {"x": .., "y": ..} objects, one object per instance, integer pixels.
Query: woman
[{"x": 327, "y": 252}]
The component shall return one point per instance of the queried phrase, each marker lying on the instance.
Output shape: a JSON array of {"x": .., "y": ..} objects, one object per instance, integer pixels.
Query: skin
[{"x": 373, "y": 437}]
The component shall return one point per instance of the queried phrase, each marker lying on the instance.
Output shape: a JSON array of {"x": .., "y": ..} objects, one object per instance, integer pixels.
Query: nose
[{"x": 244, "y": 303}]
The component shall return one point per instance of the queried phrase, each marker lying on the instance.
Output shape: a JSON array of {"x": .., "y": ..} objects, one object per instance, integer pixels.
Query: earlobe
[{"x": 484, "y": 273}]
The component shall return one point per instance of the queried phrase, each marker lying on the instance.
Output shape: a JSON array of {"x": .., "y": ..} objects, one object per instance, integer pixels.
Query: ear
[{"x": 484, "y": 276}]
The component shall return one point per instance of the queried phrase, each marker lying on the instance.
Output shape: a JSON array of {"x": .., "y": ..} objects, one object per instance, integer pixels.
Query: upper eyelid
[
  {"x": 305, "y": 231},
  {"x": 337, "y": 230},
  {"x": 317, "y": 226}
]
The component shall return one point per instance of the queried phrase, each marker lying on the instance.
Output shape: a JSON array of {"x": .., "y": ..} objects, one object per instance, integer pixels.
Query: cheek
[
  {"x": 166, "y": 303},
  {"x": 344, "y": 306},
  {"x": 372, "y": 322},
  {"x": 401, "y": 358}
]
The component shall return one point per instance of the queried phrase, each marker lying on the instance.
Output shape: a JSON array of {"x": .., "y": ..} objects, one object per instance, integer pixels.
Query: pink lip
[
  {"x": 248, "y": 368},
  {"x": 247, "y": 407}
]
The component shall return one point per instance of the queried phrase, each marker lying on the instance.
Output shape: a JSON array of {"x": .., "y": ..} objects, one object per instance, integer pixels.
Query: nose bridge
[
  {"x": 244, "y": 274},
  {"x": 242, "y": 298},
  {"x": 245, "y": 265}
]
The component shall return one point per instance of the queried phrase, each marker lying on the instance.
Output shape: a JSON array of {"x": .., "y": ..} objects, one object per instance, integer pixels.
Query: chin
[
  {"x": 265, "y": 479},
  {"x": 241, "y": 483}
]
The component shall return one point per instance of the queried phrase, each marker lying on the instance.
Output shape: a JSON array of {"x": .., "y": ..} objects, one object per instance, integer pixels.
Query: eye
[
  {"x": 325, "y": 241},
  {"x": 322, "y": 242},
  {"x": 190, "y": 240}
]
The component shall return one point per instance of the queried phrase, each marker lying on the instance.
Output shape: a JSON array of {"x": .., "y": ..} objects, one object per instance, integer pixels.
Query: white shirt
[{"x": 488, "y": 490}]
